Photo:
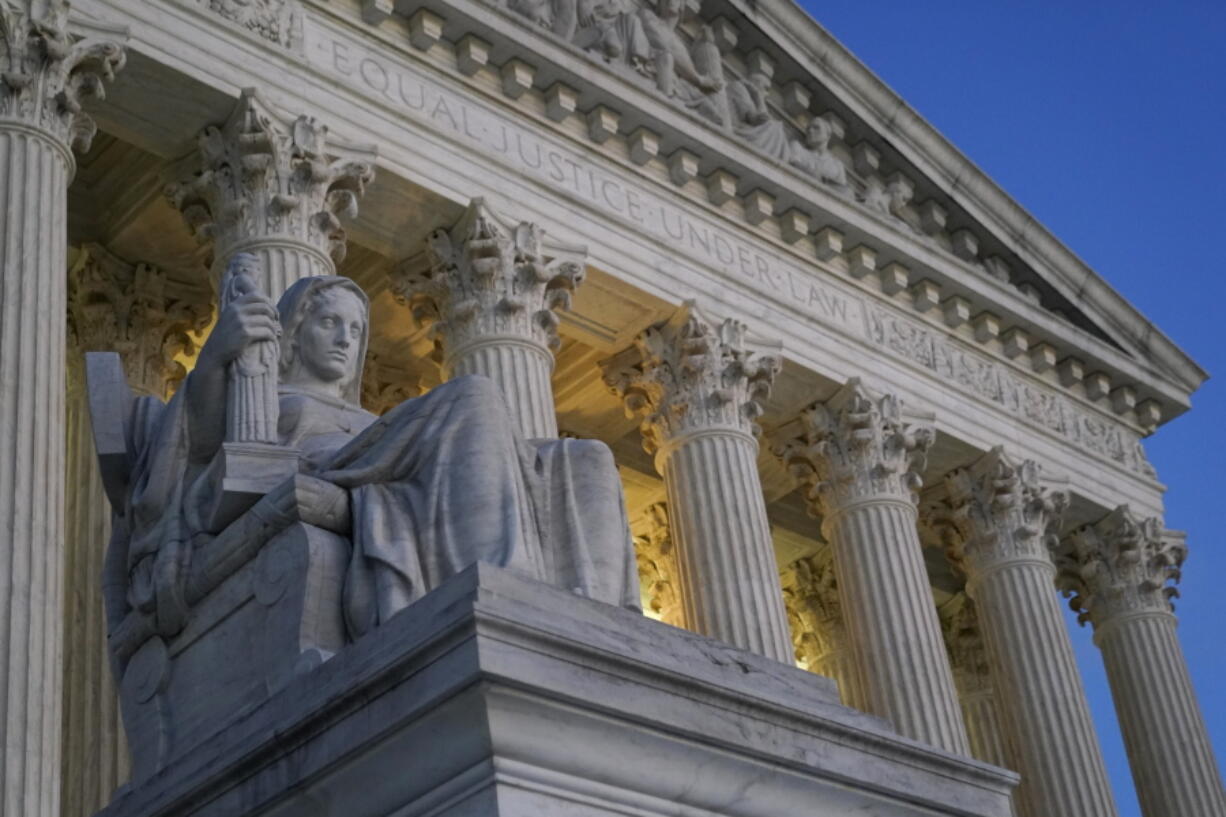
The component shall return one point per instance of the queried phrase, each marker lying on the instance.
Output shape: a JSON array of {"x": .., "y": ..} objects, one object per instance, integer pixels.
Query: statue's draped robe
[{"x": 436, "y": 484}]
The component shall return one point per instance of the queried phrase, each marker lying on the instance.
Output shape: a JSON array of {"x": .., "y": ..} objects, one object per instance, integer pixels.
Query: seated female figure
[{"x": 436, "y": 484}]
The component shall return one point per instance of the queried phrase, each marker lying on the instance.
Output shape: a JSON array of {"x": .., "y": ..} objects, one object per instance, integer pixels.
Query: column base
[{"x": 503, "y": 697}]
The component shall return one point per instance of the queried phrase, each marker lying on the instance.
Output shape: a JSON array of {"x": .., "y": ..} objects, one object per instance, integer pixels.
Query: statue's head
[
  {"x": 325, "y": 328},
  {"x": 760, "y": 80},
  {"x": 817, "y": 135}
]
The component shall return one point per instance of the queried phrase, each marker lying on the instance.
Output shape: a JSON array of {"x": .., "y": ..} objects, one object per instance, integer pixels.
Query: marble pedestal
[{"x": 499, "y": 696}]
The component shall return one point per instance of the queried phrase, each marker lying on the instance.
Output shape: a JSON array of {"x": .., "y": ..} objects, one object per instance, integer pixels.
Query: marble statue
[
  {"x": 691, "y": 74},
  {"x": 813, "y": 156},
  {"x": 752, "y": 119},
  {"x": 435, "y": 484}
]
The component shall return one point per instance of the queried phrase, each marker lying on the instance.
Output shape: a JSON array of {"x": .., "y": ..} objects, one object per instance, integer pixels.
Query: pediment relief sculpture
[
  {"x": 274, "y": 20},
  {"x": 264, "y": 475}
]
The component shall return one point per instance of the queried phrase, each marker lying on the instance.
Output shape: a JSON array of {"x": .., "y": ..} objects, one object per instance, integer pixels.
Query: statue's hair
[{"x": 304, "y": 298}]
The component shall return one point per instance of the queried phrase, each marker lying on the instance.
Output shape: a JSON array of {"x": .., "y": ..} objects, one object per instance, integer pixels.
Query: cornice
[
  {"x": 806, "y": 41},
  {"x": 1135, "y": 389}
]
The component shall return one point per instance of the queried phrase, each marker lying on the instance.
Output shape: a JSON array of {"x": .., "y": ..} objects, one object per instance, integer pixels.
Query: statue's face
[
  {"x": 329, "y": 339},
  {"x": 818, "y": 134}
]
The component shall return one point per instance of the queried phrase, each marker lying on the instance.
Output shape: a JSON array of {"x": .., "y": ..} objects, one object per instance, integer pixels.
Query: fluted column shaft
[
  {"x": 861, "y": 463},
  {"x": 523, "y": 371},
  {"x": 1003, "y": 523},
  {"x": 698, "y": 383},
  {"x": 1164, "y": 732},
  {"x": 838, "y": 663},
  {"x": 1117, "y": 571},
  {"x": 901, "y": 669},
  {"x": 96, "y": 760},
  {"x": 34, "y": 174},
  {"x": 981, "y": 712},
  {"x": 47, "y": 76},
  {"x": 1043, "y": 702},
  {"x": 282, "y": 260},
  {"x": 729, "y": 580}
]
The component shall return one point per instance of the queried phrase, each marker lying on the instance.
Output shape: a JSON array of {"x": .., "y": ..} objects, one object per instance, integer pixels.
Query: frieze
[{"x": 402, "y": 89}]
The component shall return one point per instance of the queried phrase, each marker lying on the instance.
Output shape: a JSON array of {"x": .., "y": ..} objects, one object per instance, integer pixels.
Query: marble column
[
  {"x": 492, "y": 291},
  {"x": 276, "y": 186},
  {"x": 1120, "y": 573},
  {"x": 819, "y": 636},
  {"x": 657, "y": 565},
  {"x": 861, "y": 464},
  {"x": 1004, "y": 522},
  {"x": 973, "y": 679},
  {"x": 133, "y": 310},
  {"x": 699, "y": 384},
  {"x": 47, "y": 75}
]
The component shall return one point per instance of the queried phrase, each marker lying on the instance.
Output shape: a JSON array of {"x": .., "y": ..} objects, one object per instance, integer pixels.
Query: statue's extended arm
[{"x": 249, "y": 319}]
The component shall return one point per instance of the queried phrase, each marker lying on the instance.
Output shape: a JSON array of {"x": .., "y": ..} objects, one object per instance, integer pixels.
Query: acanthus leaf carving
[
  {"x": 267, "y": 175},
  {"x": 811, "y": 596},
  {"x": 484, "y": 279},
  {"x": 1118, "y": 565},
  {"x": 657, "y": 565},
  {"x": 964, "y": 640},
  {"x": 46, "y": 74},
  {"x": 692, "y": 374},
  {"x": 1001, "y": 513},
  {"x": 853, "y": 447},
  {"x": 132, "y": 309}
]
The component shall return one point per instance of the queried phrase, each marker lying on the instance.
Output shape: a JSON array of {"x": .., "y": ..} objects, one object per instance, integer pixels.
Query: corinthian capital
[
  {"x": 811, "y": 596},
  {"x": 266, "y": 175},
  {"x": 485, "y": 279},
  {"x": 134, "y": 310},
  {"x": 967, "y": 655},
  {"x": 45, "y": 74},
  {"x": 853, "y": 447},
  {"x": 692, "y": 374},
  {"x": 1001, "y": 513},
  {"x": 1118, "y": 565},
  {"x": 657, "y": 565}
]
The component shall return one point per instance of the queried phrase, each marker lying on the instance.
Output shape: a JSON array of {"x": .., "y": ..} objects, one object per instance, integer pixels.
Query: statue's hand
[{"x": 246, "y": 320}]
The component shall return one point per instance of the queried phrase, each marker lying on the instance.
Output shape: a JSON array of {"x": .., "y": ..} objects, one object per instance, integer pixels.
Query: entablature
[
  {"x": 930, "y": 246},
  {"x": 667, "y": 241}
]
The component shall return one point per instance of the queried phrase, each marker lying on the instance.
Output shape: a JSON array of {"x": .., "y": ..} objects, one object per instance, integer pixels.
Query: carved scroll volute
[
  {"x": 46, "y": 74},
  {"x": 1120, "y": 564}
]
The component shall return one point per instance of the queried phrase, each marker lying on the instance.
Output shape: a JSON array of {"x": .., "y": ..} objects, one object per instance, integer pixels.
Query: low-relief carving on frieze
[
  {"x": 988, "y": 380},
  {"x": 278, "y": 21}
]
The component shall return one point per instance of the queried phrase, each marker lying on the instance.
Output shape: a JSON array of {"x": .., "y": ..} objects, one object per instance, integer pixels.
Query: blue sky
[{"x": 1106, "y": 119}]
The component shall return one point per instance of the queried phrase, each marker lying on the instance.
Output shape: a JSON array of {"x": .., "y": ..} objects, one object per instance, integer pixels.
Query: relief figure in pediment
[
  {"x": 752, "y": 119},
  {"x": 891, "y": 199},
  {"x": 693, "y": 75},
  {"x": 271, "y": 19},
  {"x": 813, "y": 156},
  {"x": 612, "y": 28}
]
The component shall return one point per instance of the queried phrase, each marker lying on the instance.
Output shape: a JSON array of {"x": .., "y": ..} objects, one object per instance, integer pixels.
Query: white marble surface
[{"x": 502, "y": 696}]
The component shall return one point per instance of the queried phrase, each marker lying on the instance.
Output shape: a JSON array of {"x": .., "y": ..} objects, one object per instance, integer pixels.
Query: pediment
[{"x": 755, "y": 110}]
